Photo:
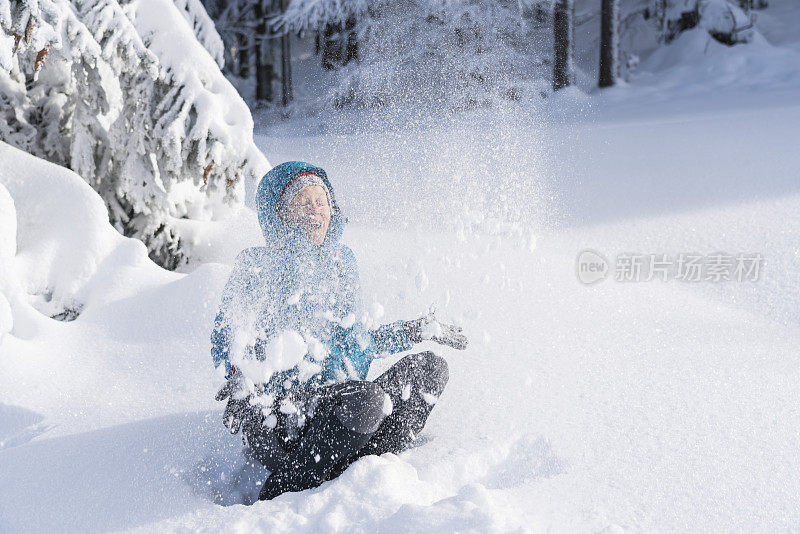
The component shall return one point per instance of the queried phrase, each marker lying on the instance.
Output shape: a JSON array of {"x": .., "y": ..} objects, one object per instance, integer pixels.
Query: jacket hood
[{"x": 276, "y": 234}]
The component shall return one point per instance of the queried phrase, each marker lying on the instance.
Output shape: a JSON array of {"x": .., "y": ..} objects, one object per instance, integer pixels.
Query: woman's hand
[
  {"x": 428, "y": 327},
  {"x": 238, "y": 397}
]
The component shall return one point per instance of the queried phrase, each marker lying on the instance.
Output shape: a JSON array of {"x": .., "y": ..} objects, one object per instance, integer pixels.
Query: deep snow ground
[
  {"x": 641, "y": 406},
  {"x": 664, "y": 405}
]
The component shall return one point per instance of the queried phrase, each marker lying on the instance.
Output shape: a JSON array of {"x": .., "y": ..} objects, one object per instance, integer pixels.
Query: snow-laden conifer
[{"x": 125, "y": 94}]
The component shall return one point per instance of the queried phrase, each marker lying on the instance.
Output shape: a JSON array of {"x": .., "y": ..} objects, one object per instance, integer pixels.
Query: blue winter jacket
[{"x": 291, "y": 284}]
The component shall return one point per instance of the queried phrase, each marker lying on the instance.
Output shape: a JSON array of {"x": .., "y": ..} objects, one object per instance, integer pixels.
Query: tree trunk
[
  {"x": 265, "y": 72},
  {"x": 661, "y": 9},
  {"x": 243, "y": 55},
  {"x": 286, "y": 70},
  {"x": 286, "y": 63},
  {"x": 609, "y": 43},
  {"x": 264, "y": 68},
  {"x": 563, "y": 70}
]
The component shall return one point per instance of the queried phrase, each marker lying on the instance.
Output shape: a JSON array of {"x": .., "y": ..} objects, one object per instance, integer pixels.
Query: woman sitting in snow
[{"x": 296, "y": 346}]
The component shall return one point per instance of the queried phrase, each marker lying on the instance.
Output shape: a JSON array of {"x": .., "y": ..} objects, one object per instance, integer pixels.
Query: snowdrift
[
  {"x": 695, "y": 58},
  {"x": 58, "y": 250},
  {"x": 62, "y": 260}
]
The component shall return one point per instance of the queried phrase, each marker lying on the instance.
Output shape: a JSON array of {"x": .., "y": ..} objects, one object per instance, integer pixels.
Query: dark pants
[{"x": 321, "y": 431}]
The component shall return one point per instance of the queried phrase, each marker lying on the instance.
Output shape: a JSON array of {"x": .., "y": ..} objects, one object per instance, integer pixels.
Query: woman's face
[{"x": 309, "y": 209}]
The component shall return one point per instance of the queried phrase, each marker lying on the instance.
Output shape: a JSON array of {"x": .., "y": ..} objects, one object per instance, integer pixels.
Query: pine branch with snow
[
  {"x": 302, "y": 15},
  {"x": 197, "y": 17}
]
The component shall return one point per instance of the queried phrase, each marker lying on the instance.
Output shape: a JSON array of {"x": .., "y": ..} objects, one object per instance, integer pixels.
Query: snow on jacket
[{"x": 291, "y": 314}]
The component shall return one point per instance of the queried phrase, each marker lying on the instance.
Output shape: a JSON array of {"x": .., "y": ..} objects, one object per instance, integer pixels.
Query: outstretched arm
[
  {"x": 391, "y": 338},
  {"x": 403, "y": 335}
]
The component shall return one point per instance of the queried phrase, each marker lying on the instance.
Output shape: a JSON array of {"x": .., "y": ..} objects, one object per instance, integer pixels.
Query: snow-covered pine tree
[
  {"x": 28, "y": 35},
  {"x": 133, "y": 72},
  {"x": 57, "y": 83},
  {"x": 150, "y": 123},
  {"x": 338, "y": 44}
]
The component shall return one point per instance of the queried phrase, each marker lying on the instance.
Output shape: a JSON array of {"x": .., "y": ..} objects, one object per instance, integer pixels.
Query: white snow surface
[{"x": 617, "y": 406}]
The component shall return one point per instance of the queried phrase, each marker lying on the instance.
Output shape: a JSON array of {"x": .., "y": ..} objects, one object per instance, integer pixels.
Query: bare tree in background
[
  {"x": 609, "y": 43},
  {"x": 563, "y": 44}
]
